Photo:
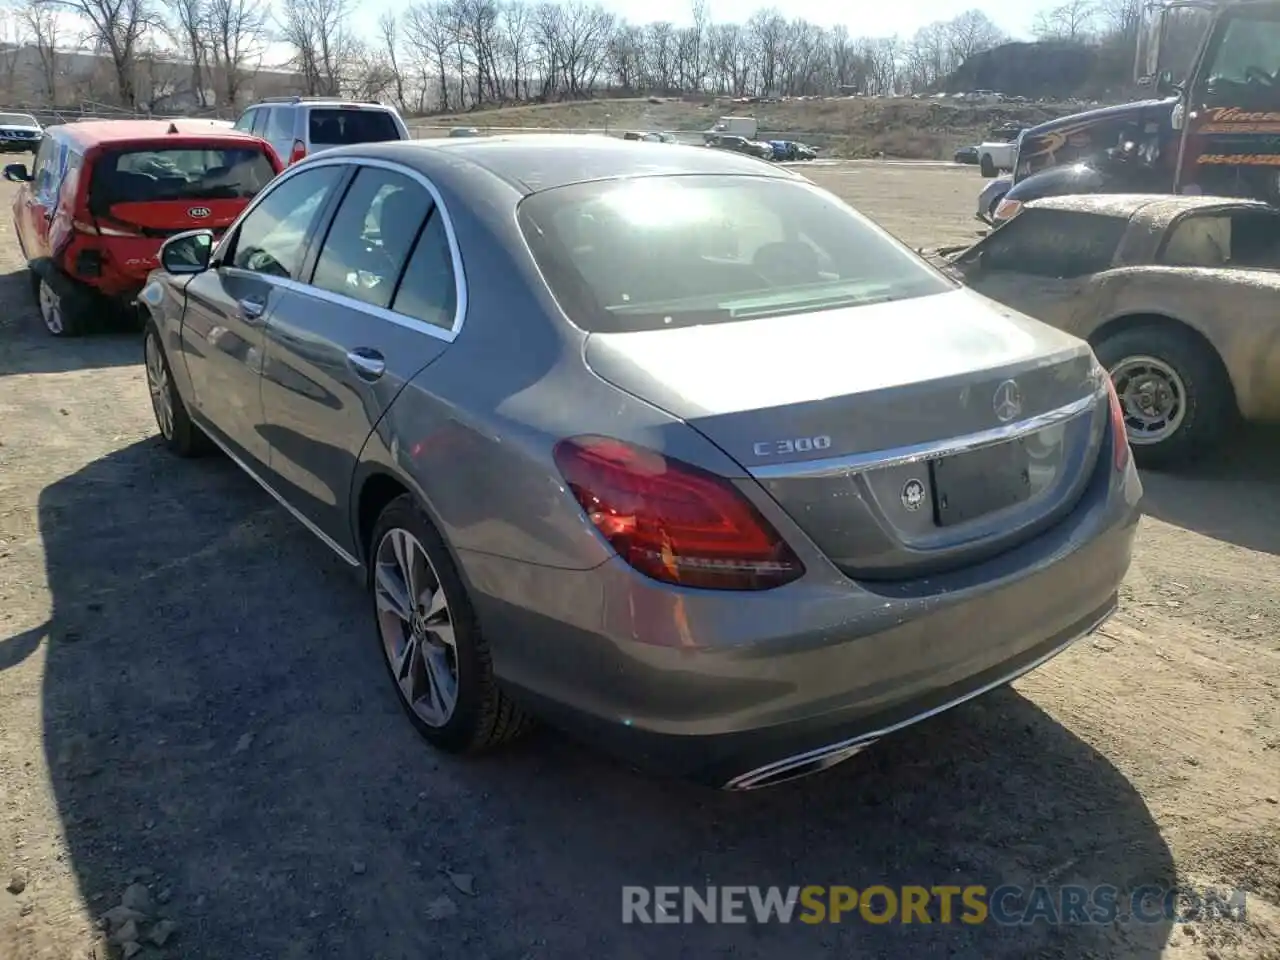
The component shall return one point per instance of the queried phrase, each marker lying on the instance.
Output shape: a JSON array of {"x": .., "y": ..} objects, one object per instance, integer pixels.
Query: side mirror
[
  {"x": 17, "y": 173},
  {"x": 187, "y": 252}
]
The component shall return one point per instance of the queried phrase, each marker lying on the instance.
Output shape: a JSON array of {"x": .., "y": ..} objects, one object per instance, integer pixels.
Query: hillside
[
  {"x": 1047, "y": 68},
  {"x": 843, "y": 126}
]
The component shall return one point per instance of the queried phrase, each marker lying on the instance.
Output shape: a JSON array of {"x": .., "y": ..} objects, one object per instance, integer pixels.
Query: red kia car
[{"x": 105, "y": 194}]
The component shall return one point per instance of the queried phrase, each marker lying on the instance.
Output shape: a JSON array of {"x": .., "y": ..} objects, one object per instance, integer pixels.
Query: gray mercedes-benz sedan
[{"x": 670, "y": 448}]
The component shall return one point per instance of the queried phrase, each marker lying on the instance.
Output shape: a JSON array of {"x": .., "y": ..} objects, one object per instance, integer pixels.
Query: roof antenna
[{"x": 173, "y": 127}]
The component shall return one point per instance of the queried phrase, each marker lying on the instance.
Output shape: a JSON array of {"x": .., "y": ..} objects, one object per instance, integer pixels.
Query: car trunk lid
[{"x": 902, "y": 437}]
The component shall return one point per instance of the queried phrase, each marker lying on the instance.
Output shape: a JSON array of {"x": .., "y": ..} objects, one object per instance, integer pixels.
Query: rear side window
[
  {"x": 371, "y": 235},
  {"x": 337, "y": 126},
  {"x": 429, "y": 289},
  {"x": 189, "y": 173},
  {"x": 280, "y": 125},
  {"x": 663, "y": 252}
]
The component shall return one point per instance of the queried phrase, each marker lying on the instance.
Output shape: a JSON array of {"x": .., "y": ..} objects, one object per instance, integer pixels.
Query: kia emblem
[{"x": 198, "y": 213}]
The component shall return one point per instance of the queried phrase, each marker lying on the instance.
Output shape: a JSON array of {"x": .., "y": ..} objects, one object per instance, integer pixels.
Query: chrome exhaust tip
[{"x": 801, "y": 765}]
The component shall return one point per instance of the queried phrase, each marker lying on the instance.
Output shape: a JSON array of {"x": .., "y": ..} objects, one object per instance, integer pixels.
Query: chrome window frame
[{"x": 447, "y": 334}]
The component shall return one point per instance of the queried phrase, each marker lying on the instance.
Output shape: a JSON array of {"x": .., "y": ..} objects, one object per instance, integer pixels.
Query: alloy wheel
[
  {"x": 51, "y": 309},
  {"x": 159, "y": 386},
  {"x": 1153, "y": 397},
  {"x": 416, "y": 627}
]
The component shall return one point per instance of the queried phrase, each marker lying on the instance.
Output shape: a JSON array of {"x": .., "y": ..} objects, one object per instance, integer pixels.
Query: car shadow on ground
[
  {"x": 218, "y": 723},
  {"x": 1233, "y": 495},
  {"x": 26, "y": 347}
]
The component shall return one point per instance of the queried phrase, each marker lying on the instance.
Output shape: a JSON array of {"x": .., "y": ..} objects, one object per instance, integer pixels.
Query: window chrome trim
[
  {"x": 447, "y": 334},
  {"x": 853, "y": 463}
]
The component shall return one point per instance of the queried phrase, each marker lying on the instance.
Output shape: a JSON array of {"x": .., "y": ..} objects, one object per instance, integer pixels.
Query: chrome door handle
[
  {"x": 368, "y": 364},
  {"x": 252, "y": 310}
]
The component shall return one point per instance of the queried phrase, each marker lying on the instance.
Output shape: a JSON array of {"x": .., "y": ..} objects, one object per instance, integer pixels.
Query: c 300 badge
[{"x": 913, "y": 494}]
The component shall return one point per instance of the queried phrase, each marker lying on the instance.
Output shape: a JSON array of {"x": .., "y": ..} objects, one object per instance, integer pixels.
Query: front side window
[
  {"x": 1247, "y": 58},
  {"x": 261, "y": 121},
  {"x": 663, "y": 252},
  {"x": 371, "y": 236},
  {"x": 273, "y": 238},
  {"x": 245, "y": 123}
]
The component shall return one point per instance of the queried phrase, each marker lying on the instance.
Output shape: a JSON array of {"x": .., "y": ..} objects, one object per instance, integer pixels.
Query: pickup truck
[{"x": 995, "y": 155}]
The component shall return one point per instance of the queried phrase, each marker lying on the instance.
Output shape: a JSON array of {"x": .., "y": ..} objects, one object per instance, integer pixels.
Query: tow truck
[{"x": 1212, "y": 125}]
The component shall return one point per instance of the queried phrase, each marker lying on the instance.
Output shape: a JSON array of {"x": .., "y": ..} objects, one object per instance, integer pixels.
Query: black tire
[
  {"x": 987, "y": 166},
  {"x": 183, "y": 437},
  {"x": 1210, "y": 407},
  {"x": 484, "y": 716}
]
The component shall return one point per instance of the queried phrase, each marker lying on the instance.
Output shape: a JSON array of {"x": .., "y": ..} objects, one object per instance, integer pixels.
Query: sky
[{"x": 903, "y": 17}]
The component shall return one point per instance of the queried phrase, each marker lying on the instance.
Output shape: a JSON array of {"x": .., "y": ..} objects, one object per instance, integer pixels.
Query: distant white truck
[
  {"x": 997, "y": 155},
  {"x": 734, "y": 126}
]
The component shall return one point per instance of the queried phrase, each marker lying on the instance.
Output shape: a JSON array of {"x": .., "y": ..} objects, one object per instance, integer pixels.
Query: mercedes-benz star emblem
[
  {"x": 913, "y": 494},
  {"x": 1007, "y": 402},
  {"x": 198, "y": 213}
]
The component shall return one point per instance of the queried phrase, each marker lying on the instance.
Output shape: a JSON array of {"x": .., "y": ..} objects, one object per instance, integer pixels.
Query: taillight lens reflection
[
  {"x": 1119, "y": 435},
  {"x": 673, "y": 521}
]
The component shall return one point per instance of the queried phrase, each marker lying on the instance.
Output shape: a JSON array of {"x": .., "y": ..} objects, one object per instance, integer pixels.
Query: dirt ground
[{"x": 191, "y": 700}]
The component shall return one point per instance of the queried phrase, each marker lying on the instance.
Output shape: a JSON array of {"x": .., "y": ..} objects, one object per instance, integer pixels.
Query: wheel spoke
[
  {"x": 444, "y": 692},
  {"x": 390, "y": 592}
]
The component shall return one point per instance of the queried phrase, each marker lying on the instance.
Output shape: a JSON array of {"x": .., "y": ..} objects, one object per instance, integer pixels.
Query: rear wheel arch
[
  {"x": 378, "y": 487},
  {"x": 1134, "y": 321}
]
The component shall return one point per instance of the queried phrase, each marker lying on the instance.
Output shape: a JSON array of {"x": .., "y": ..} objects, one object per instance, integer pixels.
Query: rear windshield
[
  {"x": 17, "y": 120},
  {"x": 336, "y": 126},
  {"x": 662, "y": 252},
  {"x": 192, "y": 173}
]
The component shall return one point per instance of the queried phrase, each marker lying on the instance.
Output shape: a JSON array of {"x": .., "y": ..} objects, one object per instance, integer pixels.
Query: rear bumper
[{"x": 732, "y": 690}]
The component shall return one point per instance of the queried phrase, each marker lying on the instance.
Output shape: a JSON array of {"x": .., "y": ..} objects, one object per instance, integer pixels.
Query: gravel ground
[{"x": 195, "y": 727}]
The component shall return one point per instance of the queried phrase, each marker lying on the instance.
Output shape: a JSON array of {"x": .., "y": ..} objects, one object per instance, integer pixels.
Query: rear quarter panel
[{"x": 1235, "y": 310}]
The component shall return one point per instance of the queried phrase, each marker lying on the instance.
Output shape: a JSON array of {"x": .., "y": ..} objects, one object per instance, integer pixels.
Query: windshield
[
  {"x": 337, "y": 126},
  {"x": 1247, "y": 55},
  {"x": 191, "y": 173},
  {"x": 666, "y": 252},
  {"x": 17, "y": 120}
]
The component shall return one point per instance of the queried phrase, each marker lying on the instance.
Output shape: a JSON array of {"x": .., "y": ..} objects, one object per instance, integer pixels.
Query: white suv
[{"x": 298, "y": 126}]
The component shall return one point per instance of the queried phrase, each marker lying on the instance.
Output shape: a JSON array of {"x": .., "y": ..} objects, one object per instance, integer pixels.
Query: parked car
[
  {"x": 19, "y": 133},
  {"x": 103, "y": 195},
  {"x": 297, "y": 127},
  {"x": 477, "y": 370},
  {"x": 1177, "y": 295},
  {"x": 657, "y": 137},
  {"x": 737, "y": 144},
  {"x": 990, "y": 198},
  {"x": 464, "y": 132},
  {"x": 967, "y": 155}
]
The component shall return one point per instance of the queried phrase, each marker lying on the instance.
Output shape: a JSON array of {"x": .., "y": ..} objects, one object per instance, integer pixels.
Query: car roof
[
  {"x": 534, "y": 162},
  {"x": 88, "y": 133},
  {"x": 1148, "y": 206}
]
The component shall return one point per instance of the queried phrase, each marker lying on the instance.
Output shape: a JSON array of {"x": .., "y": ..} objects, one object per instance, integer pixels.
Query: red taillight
[
  {"x": 1119, "y": 435},
  {"x": 299, "y": 151},
  {"x": 673, "y": 521}
]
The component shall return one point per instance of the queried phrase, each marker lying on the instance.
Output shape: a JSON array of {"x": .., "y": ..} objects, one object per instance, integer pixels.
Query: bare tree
[
  {"x": 41, "y": 23},
  {"x": 1073, "y": 22},
  {"x": 237, "y": 34},
  {"x": 189, "y": 19},
  {"x": 389, "y": 26},
  {"x": 323, "y": 45},
  {"x": 117, "y": 27}
]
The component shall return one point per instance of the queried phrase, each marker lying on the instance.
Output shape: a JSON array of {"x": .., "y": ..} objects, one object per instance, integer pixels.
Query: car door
[
  {"x": 39, "y": 199},
  {"x": 1044, "y": 261},
  {"x": 229, "y": 305},
  {"x": 278, "y": 131},
  {"x": 381, "y": 304}
]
